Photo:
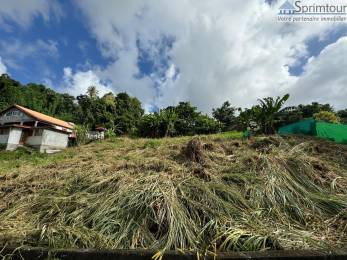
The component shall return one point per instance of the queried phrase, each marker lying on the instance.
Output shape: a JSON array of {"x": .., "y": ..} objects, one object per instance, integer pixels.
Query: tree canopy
[{"x": 123, "y": 115}]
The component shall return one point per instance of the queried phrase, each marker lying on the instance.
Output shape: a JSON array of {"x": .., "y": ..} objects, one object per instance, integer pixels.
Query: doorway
[{"x": 26, "y": 133}]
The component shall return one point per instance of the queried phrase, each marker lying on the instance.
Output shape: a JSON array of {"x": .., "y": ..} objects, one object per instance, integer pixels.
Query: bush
[
  {"x": 110, "y": 133},
  {"x": 81, "y": 132},
  {"x": 158, "y": 124},
  {"x": 206, "y": 125},
  {"x": 327, "y": 116},
  {"x": 167, "y": 123}
]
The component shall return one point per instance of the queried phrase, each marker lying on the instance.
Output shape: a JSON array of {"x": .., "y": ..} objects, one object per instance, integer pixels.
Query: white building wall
[
  {"x": 34, "y": 141},
  {"x": 14, "y": 138},
  {"x": 95, "y": 135},
  {"x": 52, "y": 140}
]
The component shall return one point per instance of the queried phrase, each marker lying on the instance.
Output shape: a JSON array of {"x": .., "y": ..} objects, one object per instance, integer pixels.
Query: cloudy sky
[{"x": 164, "y": 51}]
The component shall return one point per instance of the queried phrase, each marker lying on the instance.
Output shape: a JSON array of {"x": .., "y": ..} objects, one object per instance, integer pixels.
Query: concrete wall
[
  {"x": 14, "y": 138},
  {"x": 52, "y": 140},
  {"x": 34, "y": 141}
]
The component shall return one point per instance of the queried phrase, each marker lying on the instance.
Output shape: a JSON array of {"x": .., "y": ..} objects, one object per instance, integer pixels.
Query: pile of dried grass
[{"x": 221, "y": 196}]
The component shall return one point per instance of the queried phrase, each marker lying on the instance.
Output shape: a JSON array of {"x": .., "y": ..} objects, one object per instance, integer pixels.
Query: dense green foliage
[
  {"x": 122, "y": 114},
  {"x": 342, "y": 114},
  {"x": 268, "y": 116},
  {"x": 327, "y": 116},
  {"x": 183, "y": 119},
  {"x": 119, "y": 113},
  {"x": 36, "y": 97},
  {"x": 267, "y": 111},
  {"x": 226, "y": 115}
]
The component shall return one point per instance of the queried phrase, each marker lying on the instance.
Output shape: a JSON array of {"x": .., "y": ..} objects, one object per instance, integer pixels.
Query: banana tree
[{"x": 267, "y": 111}]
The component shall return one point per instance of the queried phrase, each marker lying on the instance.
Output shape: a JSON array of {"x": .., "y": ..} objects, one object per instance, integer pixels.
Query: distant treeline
[{"x": 123, "y": 114}]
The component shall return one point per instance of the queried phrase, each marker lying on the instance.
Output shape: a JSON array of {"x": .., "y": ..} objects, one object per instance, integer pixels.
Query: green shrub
[
  {"x": 110, "y": 133},
  {"x": 327, "y": 116},
  {"x": 81, "y": 132}
]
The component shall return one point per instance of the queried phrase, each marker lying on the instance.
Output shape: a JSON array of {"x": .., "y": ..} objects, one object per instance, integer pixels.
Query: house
[
  {"x": 287, "y": 8},
  {"x": 21, "y": 126}
]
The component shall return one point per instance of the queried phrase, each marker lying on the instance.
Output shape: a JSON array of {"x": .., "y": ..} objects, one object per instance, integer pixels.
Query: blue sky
[
  {"x": 216, "y": 51},
  {"x": 76, "y": 48}
]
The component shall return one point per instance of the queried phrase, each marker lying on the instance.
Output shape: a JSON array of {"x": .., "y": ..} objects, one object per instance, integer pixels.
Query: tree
[
  {"x": 187, "y": 115},
  {"x": 226, "y": 115},
  {"x": 327, "y": 116},
  {"x": 128, "y": 113},
  {"x": 207, "y": 125},
  {"x": 37, "y": 97},
  {"x": 11, "y": 92},
  {"x": 110, "y": 100},
  {"x": 313, "y": 108},
  {"x": 342, "y": 114},
  {"x": 267, "y": 111},
  {"x": 179, "y": 120},
  {"x": 160, "y": 124},
  {"x": 168, "y": 120},
  {"x": 288, "y": 116},
  {"x": 92, "y": 92}
]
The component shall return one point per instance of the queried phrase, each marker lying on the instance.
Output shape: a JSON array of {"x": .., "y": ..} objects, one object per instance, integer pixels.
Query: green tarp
[
  {"x": 333, "y": 132},
  {"x": 305, "y": 127}
]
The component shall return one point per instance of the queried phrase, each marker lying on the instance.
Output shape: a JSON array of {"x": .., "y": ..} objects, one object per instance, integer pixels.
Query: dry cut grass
[{"x": 207, "y": 193}]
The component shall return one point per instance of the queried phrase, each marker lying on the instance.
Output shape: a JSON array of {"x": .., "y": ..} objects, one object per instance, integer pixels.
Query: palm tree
[
  {"x": 268, "y": 109},
  {"x": 92, "y": 92}
]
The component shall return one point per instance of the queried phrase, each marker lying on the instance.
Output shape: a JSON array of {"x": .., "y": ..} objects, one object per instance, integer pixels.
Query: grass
[{"x": 266, "y": 193}]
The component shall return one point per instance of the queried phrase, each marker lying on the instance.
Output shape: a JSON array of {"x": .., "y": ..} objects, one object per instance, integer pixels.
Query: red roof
[{"x": 42, "y": 117}]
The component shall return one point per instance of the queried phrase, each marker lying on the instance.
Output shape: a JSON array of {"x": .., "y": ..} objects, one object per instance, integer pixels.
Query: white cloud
[
  {"x": 325, "y": 79},
  {"x": 223, "y": 50},
  {"x": 24, "y": 49},
  {"x": 123, "y": 75},
  {"x": 16, "y": 51},
  {"x": 22, "y": 12},
  {"x": 3, "y": 68},
  {"x": 79, "y": 82}
]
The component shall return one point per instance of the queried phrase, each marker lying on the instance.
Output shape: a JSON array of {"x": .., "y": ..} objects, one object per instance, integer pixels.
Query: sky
[{"x": 163, "y": 52}]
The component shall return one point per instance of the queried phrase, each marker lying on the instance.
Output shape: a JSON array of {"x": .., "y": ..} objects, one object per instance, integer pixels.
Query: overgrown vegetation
[
  {"x": 124, "y": 115},
  {"x": 215, "y": 192},
  {"x": 327, "y": 116}
]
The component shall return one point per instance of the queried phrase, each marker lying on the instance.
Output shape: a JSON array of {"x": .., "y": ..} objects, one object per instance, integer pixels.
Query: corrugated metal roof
[{"x": 42, "y": 117}]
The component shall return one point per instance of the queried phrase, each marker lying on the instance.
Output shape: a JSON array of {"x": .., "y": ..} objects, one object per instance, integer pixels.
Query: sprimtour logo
[{"x": 309, "y": 11}]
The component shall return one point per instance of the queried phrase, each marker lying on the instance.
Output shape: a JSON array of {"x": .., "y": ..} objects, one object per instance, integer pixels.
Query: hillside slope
[{"x": 209, "y": 193}]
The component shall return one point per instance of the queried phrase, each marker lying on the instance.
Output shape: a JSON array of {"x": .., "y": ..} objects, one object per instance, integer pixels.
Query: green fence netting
[
  {"x": 305, "y": 127},
  {"x": 333, "y": 132}
]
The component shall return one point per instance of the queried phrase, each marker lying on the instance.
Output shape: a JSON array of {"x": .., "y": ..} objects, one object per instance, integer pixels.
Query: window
[{"x": 4, "y": 131}]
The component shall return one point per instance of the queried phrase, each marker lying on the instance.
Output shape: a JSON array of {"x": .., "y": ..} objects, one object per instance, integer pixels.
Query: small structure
[
  {"x": 21, "y": 126},
  {"x": 287, "y": 8},
  {"x": 98, "y": 134}
]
